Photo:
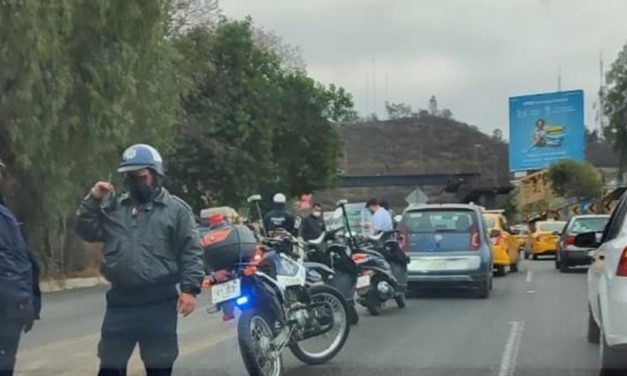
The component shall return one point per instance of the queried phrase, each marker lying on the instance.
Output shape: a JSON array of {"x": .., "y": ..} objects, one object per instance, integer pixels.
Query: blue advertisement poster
[{"x": 544, "y": 128}]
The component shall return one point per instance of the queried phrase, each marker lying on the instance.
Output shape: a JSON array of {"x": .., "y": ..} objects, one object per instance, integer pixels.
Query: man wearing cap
[{"x": 150, "y": 247}]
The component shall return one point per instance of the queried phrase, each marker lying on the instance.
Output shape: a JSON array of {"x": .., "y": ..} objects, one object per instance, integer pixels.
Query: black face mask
[{"x": 139, "y": 188}]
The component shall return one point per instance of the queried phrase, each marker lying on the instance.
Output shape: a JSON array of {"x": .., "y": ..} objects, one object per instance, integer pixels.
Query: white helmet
[{"x": 279, "y": 198}]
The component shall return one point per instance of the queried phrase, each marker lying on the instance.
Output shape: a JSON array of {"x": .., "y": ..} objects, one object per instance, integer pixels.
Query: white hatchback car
[{"x": 607, "y": 291}]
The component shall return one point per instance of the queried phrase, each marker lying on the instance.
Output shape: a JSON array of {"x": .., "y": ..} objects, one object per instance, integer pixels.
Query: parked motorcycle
[
  {"x": 283, "y": 302},
  {"x": 381, "y": 266},
  {"x": 328, "y": 251}
]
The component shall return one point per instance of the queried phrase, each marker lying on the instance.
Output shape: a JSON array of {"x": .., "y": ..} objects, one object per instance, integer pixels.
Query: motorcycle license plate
[
  {"x": 363, "y": 281},
  {"x": 226, "y": 291}
]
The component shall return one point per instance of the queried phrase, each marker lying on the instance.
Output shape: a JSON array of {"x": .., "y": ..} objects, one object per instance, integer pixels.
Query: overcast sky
[{"x": 471, "y": 54}]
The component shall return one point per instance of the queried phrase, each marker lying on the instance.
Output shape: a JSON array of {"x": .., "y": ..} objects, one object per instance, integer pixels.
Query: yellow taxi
[
  {"x": 544, "y": 239},
  {"x": 504, "y": 245},
  {"x": 521, "y": 233}
]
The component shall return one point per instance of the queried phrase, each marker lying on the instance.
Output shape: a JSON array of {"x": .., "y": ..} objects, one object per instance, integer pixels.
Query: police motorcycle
[
  {"x": 381, "y": 266},
  {"x": 283, "y": 302},
  {"x": 328, "y": 249}
]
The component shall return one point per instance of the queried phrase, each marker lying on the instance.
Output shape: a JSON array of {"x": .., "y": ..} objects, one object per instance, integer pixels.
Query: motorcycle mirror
[
  {"x": 341, "y": 202},
  {"x": 253, "y": 198},
  {"x": 398, "y": 218}
]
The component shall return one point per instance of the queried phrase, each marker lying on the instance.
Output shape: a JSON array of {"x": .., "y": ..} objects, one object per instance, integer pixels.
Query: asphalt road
[{"x": 534, "y": 323}]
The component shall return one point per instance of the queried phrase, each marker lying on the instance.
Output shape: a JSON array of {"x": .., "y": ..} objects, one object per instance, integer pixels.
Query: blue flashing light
[{"x": 241, "y": 300}]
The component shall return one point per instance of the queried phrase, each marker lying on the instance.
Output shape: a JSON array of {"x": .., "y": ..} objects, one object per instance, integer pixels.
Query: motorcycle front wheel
[
  {"x": 322, "y": 348},
  {"x": 255, "y": 337}
]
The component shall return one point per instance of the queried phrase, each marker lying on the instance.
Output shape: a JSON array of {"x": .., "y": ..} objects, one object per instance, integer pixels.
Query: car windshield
[
  {"x": 551, "y": 226},
  {"x": 592, "y": 224}
]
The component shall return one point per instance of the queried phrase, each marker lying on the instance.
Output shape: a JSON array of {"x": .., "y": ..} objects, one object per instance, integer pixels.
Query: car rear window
[
  {"x": 444, "y": 230},
  {"x": 593, "y": 224},
  {"x": 551, "y": 226}
]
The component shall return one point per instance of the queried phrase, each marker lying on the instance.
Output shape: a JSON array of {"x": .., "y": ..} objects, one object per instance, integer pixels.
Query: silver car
[
  {"x": 607, "y": 291},
  {"x": 568, "y": 254}
]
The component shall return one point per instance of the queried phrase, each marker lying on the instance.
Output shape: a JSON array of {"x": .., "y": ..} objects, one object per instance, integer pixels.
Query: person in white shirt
[{"x": 381, "y": 219}]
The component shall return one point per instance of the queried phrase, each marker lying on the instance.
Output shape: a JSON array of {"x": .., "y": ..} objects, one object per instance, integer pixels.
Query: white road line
[
  {"x": 529, "y": 276},
  {"x": 510, "y": 353}
]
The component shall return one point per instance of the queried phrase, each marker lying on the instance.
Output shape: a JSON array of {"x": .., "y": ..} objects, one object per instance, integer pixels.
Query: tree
[
  {"x": 80, "y": 80},
  {"x": 576, "y": 179},
  {"x": 615, "y": 105},
  {"x": 251, "y": 124},
  {"x": 497, "y": 135},
  {"x": 398, "y": 110},
  {"x": 446, "y": 114}
]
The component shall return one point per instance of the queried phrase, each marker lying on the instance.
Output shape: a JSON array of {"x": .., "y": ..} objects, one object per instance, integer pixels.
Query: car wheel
[
  {"x": 564, "y": 267},
  {"x": 513, "y": 267},
  {"x": 612, "y": 361},
  {"x": 593, "y": 328},
  {"x": 500, "y": 271},
  {"x": 483, "y": 290},
  {"x": 557, "y": 261}
]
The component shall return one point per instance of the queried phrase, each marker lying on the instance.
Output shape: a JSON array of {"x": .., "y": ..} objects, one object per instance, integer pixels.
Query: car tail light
[
  {"x": 621, "y": 271},
  {"x": 570, "y": 240},
  {"x": 475, "y": 241},
  {"x": 359, "y": 258},
  {"x": 404, "y": 240}
]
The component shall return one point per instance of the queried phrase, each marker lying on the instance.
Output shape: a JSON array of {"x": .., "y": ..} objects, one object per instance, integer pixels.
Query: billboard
[{"x": 544, "y": 128}]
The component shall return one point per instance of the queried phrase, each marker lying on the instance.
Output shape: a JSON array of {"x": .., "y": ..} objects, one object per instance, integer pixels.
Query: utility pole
[
  {"x": 374, "y": 88},
  {"x": 367, "y": 107}
]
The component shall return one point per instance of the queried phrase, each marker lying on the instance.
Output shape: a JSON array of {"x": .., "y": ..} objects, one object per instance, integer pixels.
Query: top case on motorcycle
[{"x": 228, "y": 246}]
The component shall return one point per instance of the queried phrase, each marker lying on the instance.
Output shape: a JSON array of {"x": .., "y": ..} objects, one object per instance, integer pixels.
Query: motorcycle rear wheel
[
  {"x": 254, "y": 331},
  {"x": 374, "y": 305},
  {"x": 333, "y": 297}
]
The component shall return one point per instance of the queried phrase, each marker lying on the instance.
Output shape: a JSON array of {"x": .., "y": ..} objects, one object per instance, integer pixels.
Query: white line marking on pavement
[
  {"x": 529, "y": 276},
  {"x": 510, "y": 353}
]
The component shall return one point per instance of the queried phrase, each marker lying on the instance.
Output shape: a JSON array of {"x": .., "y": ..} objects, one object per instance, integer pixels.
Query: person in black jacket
[
  {"x": 313, "y": 226},
  {"x": 151, "y": 245},
  {"x": 19, "y": 287},
  {"x": 279, "y": 217}
]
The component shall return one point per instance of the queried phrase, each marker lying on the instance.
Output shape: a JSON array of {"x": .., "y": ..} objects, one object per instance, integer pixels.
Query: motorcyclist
[{"x": 279, "y": 217}]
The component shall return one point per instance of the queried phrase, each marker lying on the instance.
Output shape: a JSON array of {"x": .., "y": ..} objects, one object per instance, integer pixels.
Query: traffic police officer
[
  {"x": 19, "y": 287},
  {"x": 150, "y": 246},
  {"x": 279, "y": 217}
]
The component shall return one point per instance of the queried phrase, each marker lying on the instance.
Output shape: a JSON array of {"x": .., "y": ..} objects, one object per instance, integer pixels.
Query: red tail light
[
  {"x": 570, "y": 240},
  {"x": 359, "y": 258},
  {"x": 404, "y": 240},
  {"x": 475, "y": 241},
  {"x": 622, "y": 264}
]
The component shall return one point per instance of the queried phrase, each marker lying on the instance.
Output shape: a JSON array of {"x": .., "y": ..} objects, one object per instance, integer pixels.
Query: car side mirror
[
  {"x": 495, "y": 233},
  {"x": 587, "y": 240}
]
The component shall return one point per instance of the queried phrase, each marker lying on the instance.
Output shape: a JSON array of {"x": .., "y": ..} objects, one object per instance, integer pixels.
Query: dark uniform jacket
[
  {"x": 312, "y": 227},
  {"x": 153, "y": 244}
]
